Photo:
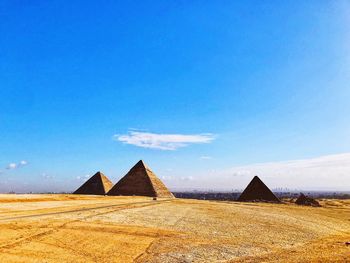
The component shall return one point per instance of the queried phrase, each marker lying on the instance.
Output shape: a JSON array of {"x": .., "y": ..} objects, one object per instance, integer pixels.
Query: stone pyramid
[
  {"x": 306, "y": 200},
  {"x": 140, "y": 180},
  {"x": 98, "y": 184},
  {"x": 258, "y": 191}
]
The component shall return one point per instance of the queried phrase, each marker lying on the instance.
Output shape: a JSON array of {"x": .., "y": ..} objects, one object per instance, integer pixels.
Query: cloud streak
[
  {"x": 12, "y": 166},
  {"x": 324, "y": 172},
  {"x": 85, "y": 177},
  {"x": 168, "y": 142},
  {"x": 22, "y": 163},
  {"x": 46, "y": 176},
  {"x": 324, "y": 166},
  {"x": 205, "y": 157}
]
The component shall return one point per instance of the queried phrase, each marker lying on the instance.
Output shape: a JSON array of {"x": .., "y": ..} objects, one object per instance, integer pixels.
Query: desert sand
[{"x": 77, "y": 228}]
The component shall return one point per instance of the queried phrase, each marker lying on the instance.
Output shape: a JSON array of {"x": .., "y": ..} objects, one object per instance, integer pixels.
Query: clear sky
[{"x": 208, "y": 93}]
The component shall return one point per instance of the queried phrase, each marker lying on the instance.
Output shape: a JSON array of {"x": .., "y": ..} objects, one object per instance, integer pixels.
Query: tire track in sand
[{"x": 56, "y": 228}]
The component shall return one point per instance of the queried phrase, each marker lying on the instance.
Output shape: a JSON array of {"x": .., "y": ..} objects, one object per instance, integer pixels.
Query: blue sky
[{"x": 200, "y": 90}]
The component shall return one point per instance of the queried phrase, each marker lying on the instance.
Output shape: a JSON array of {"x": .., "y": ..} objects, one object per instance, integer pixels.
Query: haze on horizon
[{"x": 208, "y": 94}]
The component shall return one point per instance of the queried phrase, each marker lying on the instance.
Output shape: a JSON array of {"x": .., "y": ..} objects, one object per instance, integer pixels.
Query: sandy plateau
[{"x": 73, "y": 228}]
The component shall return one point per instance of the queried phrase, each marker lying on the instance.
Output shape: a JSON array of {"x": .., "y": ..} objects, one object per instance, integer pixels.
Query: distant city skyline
[{"x": 208, "y": 94}]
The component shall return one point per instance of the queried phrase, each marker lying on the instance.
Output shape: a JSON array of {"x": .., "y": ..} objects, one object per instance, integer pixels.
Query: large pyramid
[
  {"x": 140, "y": 180},
  {"x": 98, "y": 184},
  {"x": 258, "y": 191}
]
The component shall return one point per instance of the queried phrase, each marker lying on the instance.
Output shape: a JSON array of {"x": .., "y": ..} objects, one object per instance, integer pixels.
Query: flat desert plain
[{"x": 76, "y": 228}]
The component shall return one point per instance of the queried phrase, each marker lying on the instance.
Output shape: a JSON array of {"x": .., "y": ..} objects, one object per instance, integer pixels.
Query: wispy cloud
[
  {"x": 320, "y": 173},
  {"x": 177, "y": 178},
  {"x": 12, "y": 166},
  {"x": 205, "y": 157},
  {"x": 47, "y": 176},
  {"x": 327, "y": 166},
  {"x": 84, "y": 177},
  {"x": 187, "y": 178},
  {"x": 163, "y": 141},
  {"x": 330, "y": 172},
  {"x": 22, "y": 163},
  {"x": 167, "y": 177}
]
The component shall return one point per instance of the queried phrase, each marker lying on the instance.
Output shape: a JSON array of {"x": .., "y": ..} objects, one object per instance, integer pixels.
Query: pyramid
[
  {"x": 140, "y": 180},
  {"x": 258, "y": 191},
  {"x": 308, "y": 201},
  {"x": 98, "y": 184}
]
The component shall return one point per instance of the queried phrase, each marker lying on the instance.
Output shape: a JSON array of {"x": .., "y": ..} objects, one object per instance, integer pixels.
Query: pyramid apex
[
  {"x": 99, "y": 173},
  {"x": 141, "y": 163},
  {"x": 257, "y": 179}
]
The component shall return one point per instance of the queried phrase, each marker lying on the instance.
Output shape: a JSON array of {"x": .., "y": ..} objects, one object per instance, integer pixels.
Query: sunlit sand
[{"x": 75, "y": 228}]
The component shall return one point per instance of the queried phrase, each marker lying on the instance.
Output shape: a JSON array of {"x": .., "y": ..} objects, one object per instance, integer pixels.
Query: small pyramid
[
  {"x": 140, "y": 180},
  {"x": 308, "y": 201},
  {"x": 98, "y": 184},
  {"x": 258, "y": 191}
]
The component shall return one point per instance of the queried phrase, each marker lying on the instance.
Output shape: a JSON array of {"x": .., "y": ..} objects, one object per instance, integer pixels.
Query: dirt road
[{"x": 70, "y": 228}]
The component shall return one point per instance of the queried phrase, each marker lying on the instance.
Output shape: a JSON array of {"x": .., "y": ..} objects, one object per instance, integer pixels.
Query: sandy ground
[{"x": 72, "y": 228}]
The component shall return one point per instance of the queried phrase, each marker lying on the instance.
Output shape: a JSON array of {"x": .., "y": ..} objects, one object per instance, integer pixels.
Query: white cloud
[
  {"x": 177, "y": 179},
  {"x": 187, "y": 178},
  {"x": 11, "y": 166},
  {"x": 205, "y": 157},
  {"x": 167, "y": 177},
  {"x": 22, "y": 163},
  {"x": 46, "y": 176},
  {"x": 83, "y": 177},
  {"x": 163, "y": 141}
]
